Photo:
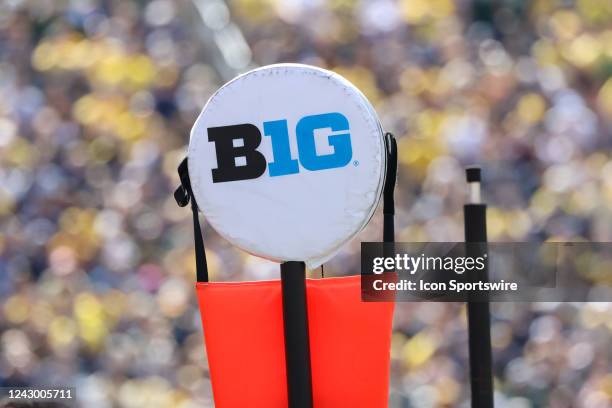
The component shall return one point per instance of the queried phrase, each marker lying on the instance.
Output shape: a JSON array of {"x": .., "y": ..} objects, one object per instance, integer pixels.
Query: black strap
[
  {"x": 389, "y": 188},
  {"x": 183, "y": 195}
]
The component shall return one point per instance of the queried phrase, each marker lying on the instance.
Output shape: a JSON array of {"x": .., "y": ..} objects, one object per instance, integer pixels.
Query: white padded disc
[{"x": 300, "y": 216}]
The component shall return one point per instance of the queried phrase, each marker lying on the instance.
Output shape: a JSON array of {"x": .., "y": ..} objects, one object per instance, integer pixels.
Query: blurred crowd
[{"x": 97, "y": 98}]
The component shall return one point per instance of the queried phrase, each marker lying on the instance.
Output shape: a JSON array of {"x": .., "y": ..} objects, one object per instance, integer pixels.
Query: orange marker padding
[{"x": 349, "y": 343}]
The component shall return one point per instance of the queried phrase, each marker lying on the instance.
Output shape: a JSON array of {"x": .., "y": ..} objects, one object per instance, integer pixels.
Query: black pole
[
  {"x": 479, "y": 318},
  {"x": 297, "y": 347}
]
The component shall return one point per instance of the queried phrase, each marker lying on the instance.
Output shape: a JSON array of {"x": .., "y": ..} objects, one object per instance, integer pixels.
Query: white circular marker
[{"x": 287, "y": 162}]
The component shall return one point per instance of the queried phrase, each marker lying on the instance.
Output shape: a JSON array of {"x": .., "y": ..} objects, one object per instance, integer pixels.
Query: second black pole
[
  {"x": 478, "y": 313},
  {"x": 297, "y": 346}
]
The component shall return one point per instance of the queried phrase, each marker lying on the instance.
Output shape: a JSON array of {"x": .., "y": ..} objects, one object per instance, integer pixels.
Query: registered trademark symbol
[{"x": 356, "y": 163}]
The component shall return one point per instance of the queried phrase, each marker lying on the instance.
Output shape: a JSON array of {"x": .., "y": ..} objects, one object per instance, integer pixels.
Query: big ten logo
[{"x": 238, "y": 157}]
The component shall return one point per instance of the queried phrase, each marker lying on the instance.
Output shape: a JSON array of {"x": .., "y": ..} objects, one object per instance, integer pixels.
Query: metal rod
[
  {"x": 297, "y": 346},
  {"x": 478, "y": 313}
]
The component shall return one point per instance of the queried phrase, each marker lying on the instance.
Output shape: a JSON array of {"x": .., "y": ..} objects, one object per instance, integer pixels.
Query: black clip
[{"x": 182, "y": 194}]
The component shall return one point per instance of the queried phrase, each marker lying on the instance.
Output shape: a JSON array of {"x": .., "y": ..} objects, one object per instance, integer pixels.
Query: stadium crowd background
[{"x": 97, "y": 98}]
